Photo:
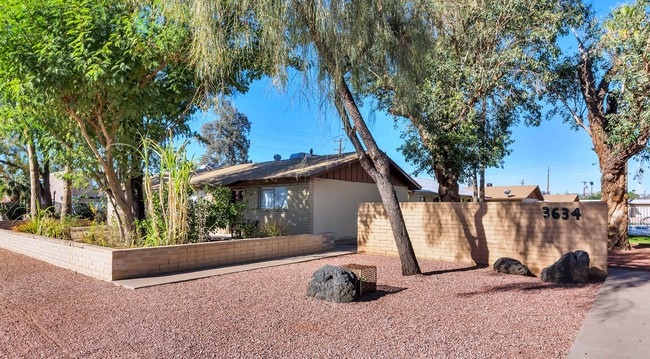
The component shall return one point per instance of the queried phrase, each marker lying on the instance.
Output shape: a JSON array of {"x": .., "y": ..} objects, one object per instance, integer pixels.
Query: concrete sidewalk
[
  {"x": 136, "y": 283},
  {"x": 618, "y": 323}
]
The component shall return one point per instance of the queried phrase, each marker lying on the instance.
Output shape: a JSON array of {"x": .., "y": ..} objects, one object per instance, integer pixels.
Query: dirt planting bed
[{"x": 453, "y": 311}]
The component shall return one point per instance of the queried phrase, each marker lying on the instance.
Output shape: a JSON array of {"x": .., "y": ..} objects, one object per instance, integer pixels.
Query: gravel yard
[{"x": 454, "y": 311}]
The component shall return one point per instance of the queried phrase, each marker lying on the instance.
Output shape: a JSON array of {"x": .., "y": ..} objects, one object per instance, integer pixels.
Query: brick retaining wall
[
  {"x": 113, "y": 264},
  {"x": 484, "y": 232},
  {"x": 138, "y": 262}
]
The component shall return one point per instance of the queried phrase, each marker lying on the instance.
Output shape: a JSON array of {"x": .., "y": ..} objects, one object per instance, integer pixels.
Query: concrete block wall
[
  {"x": 87, "y": 259},
  {"x": 113, "y": 264},
  {"x": 297, "y": 215},
  {"x": 139, "y": 262},
  {"x": 481, "y": 233}
]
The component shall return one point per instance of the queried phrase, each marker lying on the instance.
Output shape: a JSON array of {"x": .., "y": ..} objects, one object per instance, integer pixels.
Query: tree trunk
[
  {"x": 481, "y": 191},
  {"x": 66, "y": 206},
  {"x": 614, "y": 193},
  {"x": 34, "y": 184},
  {"x": 448, "y": 188},
  {"x": 474, "y": 185},
  {"x": 46, "y": 193},
  {"x": 377, "y": 165},
  {"x": 137, "y": 193},
  {"x": 374, "y": 161}
]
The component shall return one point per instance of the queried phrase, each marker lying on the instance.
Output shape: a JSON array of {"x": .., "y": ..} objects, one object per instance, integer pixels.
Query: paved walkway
[
  {"x": 136, "y": 283},
  {"x": 618, "y": 323}
]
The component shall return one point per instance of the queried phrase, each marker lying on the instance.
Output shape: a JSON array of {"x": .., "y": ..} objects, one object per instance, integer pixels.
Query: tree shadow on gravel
[
  {"x": 382, "y": 290},
  {"x": 455, "y": 270},
  {"x": 526, "y": 287}
]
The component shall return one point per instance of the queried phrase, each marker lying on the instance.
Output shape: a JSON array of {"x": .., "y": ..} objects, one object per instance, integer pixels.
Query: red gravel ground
[
  {"x": 636, "y": 259},
  {"x": 453, "y": 311}
]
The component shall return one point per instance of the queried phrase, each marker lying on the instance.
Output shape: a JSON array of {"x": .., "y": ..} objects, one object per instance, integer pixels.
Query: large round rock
[
  {"x": 333, "y": 284},
  {"x": 573, "y": 267},
  {"x": 511, "y": 266}
]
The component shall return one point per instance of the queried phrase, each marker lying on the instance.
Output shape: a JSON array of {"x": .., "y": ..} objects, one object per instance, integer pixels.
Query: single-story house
[
  {"x": 311, "y": 194},
  {"x": 429, "y": 192},
  {"x": 530, "y": 193},
  {"x": 561, "y": 198}
]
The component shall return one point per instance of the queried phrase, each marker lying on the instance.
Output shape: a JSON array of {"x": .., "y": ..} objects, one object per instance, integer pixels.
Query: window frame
[{"x": 275, "y": 190}]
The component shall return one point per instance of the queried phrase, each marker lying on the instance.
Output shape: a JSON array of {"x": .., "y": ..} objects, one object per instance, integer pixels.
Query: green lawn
[{"x": 640, "y": 239}]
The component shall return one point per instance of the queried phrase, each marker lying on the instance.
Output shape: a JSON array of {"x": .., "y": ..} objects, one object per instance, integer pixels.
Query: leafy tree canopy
[{"x": 226, "y": 138}]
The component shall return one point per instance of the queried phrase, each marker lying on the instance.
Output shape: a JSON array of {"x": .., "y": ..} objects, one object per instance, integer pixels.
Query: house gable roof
[
  {"x": 290, "y": 169},
  {"x": 517, "y": 193},
  {"x": 561, "y": 197}
]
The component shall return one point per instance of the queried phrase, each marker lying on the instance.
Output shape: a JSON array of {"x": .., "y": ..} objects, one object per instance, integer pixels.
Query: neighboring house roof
[
  {"x": 430, "y": 185},
  {"x": 561, "y": 198},
  {"x": 516, "y": 193},
  {"x": 290, "y": 169}
]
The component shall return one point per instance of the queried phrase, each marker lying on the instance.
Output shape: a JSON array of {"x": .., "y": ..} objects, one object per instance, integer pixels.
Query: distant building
[
  {"x": 561, "y": 198},
  {"x": 530, "y": 193},
  {"x": 429, "y": 192}
]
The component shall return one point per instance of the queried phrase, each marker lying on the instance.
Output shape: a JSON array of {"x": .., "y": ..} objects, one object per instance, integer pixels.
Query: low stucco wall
[
  {"x": 481, "y": 233},
  {"x": 113, "y": 264}
]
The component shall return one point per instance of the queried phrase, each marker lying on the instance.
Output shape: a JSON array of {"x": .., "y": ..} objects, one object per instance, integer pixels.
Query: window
[
  {"x": 422, "y": 199},
  {"x": 273, "y": 197}
]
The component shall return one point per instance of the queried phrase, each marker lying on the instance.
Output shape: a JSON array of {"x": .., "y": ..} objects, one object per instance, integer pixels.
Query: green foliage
[
  {"x": 226, "y": 138},
  {"x": 44, "y": 224},
  {"x": 82, "y": 210},
  {"x": 167, "y": 203},
  {"x": 215, "y": 210},
  {"x": 483, "y": 62},
  {"x": 102, "y": 235},
  {"x": 273, "y": 228},
  {"x": 594, "y": 196},
  {"x": 12, "y": 211}
]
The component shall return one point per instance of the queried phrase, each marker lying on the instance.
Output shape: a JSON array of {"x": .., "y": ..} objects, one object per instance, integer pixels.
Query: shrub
[
  {"x": 82, "y": 210},
  {"x": 102, "y": 235},
  {"x": 12, "y": 211},
  {"x": 44, "y": 224},
  {"x": 274, "y": 228}
]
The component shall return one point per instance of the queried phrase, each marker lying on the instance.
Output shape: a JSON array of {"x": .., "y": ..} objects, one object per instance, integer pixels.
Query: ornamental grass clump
[{"x": 167, "y": 200}]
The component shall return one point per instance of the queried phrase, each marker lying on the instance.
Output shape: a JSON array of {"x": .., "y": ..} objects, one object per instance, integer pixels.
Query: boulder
[
  {"x": 573, "y": 267},
  {"x": 511, "y": 266},
  {"x": 333, "y": 284}
]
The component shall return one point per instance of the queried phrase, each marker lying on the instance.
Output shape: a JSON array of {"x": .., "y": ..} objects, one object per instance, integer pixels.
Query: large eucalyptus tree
[
  {"x": 604, "y": 90},
  {"x": 483, "y": 63}
]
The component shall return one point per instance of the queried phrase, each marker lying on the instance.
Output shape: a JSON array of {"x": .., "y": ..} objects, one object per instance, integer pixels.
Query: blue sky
[{"x": 286, "y": 123}]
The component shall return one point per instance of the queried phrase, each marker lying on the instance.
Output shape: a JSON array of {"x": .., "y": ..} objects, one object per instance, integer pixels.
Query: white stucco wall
[{"x": 336, "y": 205}]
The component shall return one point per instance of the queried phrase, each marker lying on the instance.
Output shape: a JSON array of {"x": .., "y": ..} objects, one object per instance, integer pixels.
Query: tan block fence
[
  {"x": 481, "y": 233},
  {"x": 113, "y": 264}
]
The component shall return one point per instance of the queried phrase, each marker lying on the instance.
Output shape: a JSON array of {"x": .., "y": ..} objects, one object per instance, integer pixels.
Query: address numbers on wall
[{"x": 564, "y": 213}]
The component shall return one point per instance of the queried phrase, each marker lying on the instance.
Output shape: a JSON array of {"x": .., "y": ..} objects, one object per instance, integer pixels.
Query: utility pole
[
  {"x": 340, "y": 146},
  {"x": 584, "y": 189},
  {"x": 548, "y": 180}
]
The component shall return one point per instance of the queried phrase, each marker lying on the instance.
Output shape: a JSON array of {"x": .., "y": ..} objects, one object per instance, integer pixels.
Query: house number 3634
[{"x": 564, "y": 213}]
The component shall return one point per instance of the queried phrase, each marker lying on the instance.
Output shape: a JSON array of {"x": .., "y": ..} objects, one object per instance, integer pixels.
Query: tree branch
[{"x": 153, "y": 74}]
